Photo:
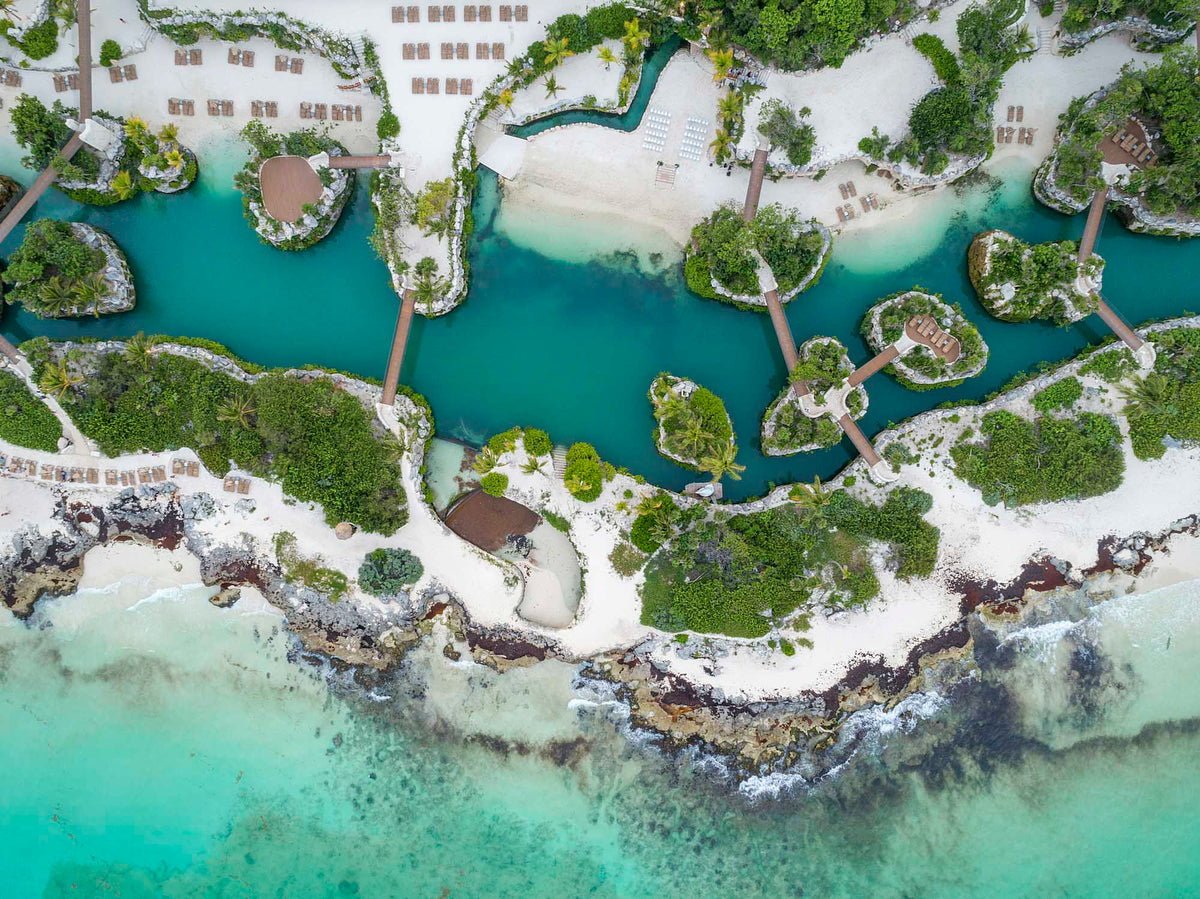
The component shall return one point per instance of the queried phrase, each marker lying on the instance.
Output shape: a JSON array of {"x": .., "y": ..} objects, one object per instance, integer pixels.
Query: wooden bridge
[
  {"x": 359, "y": 162},
  {"x": 1087, "y": 244},
  {"x": 758, "y": 171},
  {"x": 399, "y": 343}
]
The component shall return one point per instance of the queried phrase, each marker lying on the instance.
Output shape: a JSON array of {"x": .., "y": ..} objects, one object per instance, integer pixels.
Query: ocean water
[{"x": 155, "y": 745}]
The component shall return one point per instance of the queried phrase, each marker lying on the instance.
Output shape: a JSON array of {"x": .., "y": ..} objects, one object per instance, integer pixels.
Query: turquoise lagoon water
[
  {"x": 155, "y": 746},
  {"x": 571, "y": 346}
]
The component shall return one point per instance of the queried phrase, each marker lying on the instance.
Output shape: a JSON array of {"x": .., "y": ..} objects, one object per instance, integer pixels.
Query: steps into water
[{"x": 559, "y": 455}]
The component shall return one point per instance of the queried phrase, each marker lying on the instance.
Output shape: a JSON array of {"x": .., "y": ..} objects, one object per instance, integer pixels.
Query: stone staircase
[
  {"x": 559, "y": 456},
  {"x": 1045, "y": 42}
]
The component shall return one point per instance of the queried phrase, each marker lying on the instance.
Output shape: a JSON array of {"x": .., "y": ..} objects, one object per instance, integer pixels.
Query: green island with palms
[
  {"x": 68, "y": 269},
  {"x": 693, "y": 428}
]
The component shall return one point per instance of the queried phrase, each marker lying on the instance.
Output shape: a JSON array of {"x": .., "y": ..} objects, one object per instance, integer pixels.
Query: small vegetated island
[
  {"x": 119, "y": 159},
  {"x": 66, "y": 269},
  {"x": 693, "y": 427},
  {"x": 290, "y": 195},
  {"x": 936, "y": 344},
  {"x": 1017, "y": 281},
  {"x": 1138, "y": 137},
  {"x": 790, "y": 424},
  {"x": 720, "y": 263},
  {"x": 754, "y": 574}
]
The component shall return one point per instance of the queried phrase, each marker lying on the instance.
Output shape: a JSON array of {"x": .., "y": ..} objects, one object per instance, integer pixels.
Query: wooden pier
[{"x": 399, "y": 343}]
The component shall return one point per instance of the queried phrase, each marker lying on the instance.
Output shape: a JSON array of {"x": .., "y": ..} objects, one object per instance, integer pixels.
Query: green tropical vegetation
[
  {"x": 298, "y": 568},
  {"x": 694, "y": 431},
  {"x": 1168, "y": 95},
  {"x": 42, "y": 133},
  {"x": 822, "y": 364},
  {"x": 1110, "y": 365},
  {"x": 387, "y": 571},
  {"x": 945, "y": 63},
  {"x": 537, "y": 442},
  {"x": 318, "y": 441},
  {"x": 38, "y": 42},
  {"x": 1020, "y": 462},
  {"x": 891, "y": 319},
  {"x": 24, "y": 419},
  {"x": 1081, "y": 15},
  {"x": 494, "y": 483},
  {"x": 110, "y": 52},
  {"x": 750, "y": 573},
  {"x": 1164, "y": 405},
  {"x": 53, "y": 273},
  {"x": 1042, "y": 277},
  {"x": 585, "y": 473},
  {"x": 787, "y": 129},
  {"x": 723, "y": 241},
  {"x": 1062, "y": 394}
]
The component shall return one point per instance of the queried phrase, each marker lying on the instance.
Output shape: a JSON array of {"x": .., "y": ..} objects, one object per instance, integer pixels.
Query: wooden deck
[
  {"x": 758, "y": 171},
  {"x": 925, "y": 330},
  {"x": 889, "y": 354},
  {"x": 399, "y": 342},
  {"x": 288, "y": 184}
]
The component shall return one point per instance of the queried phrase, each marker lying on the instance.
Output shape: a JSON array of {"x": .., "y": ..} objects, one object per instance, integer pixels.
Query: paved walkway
[{"x": 399, "y": 343}]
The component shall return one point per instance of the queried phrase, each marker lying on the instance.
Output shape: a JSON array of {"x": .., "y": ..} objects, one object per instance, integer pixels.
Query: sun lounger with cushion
[
  {"x": 482, "y": 50},
  {"x": 358, "y": 113},
  {"x": 73, "y": 81},
  {"x": 409, "y": 51},
  {"x": 272, "y": 109},
  {"x": 431, "y": 85},
  {"x": 297, "y": 67},
  {"x": 422, "y": 51},
  {"x": 189, "y": 107},
  {"x": 177, "y": 466},
  {"x": 248, "y": 59},
  {"x": 469, "y": 13},
  {"x": 181, "y": 57},
  {"x": 452, "y": 85},
  {"x": 131, "y": 72},
  {"x": 195, "y": 58},
  {"x": 485, "y": 14},
  {"x": 235, "y": 56},
  {"x": 159, "y": 473},
  {"x": 115, "y": 74},
  {"x": 306, "y": 110},
  {"x": 505, "y": 13},
  {"x": 497, "y": 50},
  {"x": 110, "y": 478},
  {"x": 447, "y": 13},
  {"x": 322, "y": 112},
  {"x": 462, "y": 50},
  {"x": 434, "y": 13},
  {"x": 414, "y": 13},
  {"x": 93, "y": 476},
  {"x": 521, "y": 13},
  {"x": 214, "y": 107},
  {"x": 229, "y": 484},
  {"x": 60, "y": 83},
  {"x": 281, "y": 63},
  {"x": 226, "y": 107},
  {"x": 447, "y": 50},
  {"x": 465, "y": 87},
  {"x": 336, "y": 113},
  {"x": 256, "y": 108},
  {"x": 397, "y": 14},
  {"x": 243, "y": 485},
  {"x": 418, "y": 85}
]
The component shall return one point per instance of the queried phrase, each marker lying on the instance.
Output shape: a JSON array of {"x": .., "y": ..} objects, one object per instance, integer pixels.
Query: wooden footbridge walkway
[
  {"x": 399, "y": 343},
  {"x": 71, "y": 147},
  {"x": 1087, "y": 244},
  {"x": 758, "y": 171}
]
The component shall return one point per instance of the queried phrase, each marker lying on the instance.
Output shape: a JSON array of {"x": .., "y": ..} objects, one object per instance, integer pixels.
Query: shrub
[
  {"x": 24, "y": 419},
  {"x": 786, "y": 129},
  {"x": 608, "y": 21},
  {"x": 388, "y": 125},
  {"x": 494, "y": 483},
  {"x": 626, "y": 560},
  {"x": 385, "y": 572},
  {"x": 1059, "y": 395},
  {"x": 50, "y": 250},
  {"x": 642, "y": 536},
  {"x": 41, "y": 131},
  {"x": 537, "y": 442},
  {"x": 944, "y": 62},
  {"x": 110, "y": 52},
  {"x": 40, "y": 40},
  {"x": 1110, "y": 365},
  {"x": 308, "y": 570},
  {"x": 558, "y": 522},
  {"x": 786, "y": 647},
  {"x": 504, "y": 442}
]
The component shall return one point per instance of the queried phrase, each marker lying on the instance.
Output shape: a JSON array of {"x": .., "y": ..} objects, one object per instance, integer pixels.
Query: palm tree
[
  {"x": 428, "y": 289},
  {"x": 729, "y": 107},
  {"x": 139, "y": 349},
  {"x": 812, "y": 500},
  {"x": 56, "y": 297},
  {"x": 59, "y": 380},
  {"x": 635, "y": 35},
  {"x": 552, "y": 87},
  {"x": 722, "y": 145},
  {"x": 696, "y": 436},
  {"x": 238, "y": 408},
  {"x": 168, "y": 133},
  {"x": 721, "y": 460},
  {"x": 90, "y": 290},
  {"x": 1147, "y": 396},
  {"x": 485, "y": 460},
  {"x": 506, "y": 98},
  {"x": 556, "y": 51},
  {"x": 135, "y": 127},
  {"x": 722, "y": 61},
  {"x": 123, "y": 185},
  {"x": 607, "y": 57}
]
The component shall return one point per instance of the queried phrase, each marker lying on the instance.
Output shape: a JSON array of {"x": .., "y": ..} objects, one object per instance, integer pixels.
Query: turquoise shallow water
[{"x": 157, "y": 746}]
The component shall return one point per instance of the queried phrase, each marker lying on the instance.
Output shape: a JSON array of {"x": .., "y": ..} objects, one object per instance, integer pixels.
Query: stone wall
[{"x": 1136, "y": 26}]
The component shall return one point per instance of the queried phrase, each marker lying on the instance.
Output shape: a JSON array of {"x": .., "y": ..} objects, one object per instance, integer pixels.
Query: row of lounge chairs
[
  {"x": 1004, "y": 134},
  {"x": 117, "y": 74},
  {"x": 460, "y": 50},
  {"x": 239, "y": 57},
  {"x": 845, "y": 212},
  {"x": 848, "y": 190},
  {"x": 189, "y": 58},
  {"x": 176, "y": 106},
  {"x": 264, "y": 108},
  {"x": 341, "y": 112},
  {"x": 11, "y": 78},
  {"x": 1017, "y": 113},
  {"x": 185, "y": 467},
  {"x": 471, "y": 13},
  {"x": 926, "y": 330},
  {"x": 66, "y": 82},
  {"x": 462, "y": 86},
  {"x": 220, "y": 107},
  {"x": 234, "y": 484},
  {"x": 149, "y": 474},
  {"x": 293, "y": 64},
  {"x": 1140, "y": 151}
]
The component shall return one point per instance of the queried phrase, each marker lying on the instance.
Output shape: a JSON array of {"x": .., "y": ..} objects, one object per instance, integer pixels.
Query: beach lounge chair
[
  {"x": 110, "y": 478},
  {"x": 452, "y": 85},
  {"x": 243, "y": 485},
  {"x": 322, "y": 112},
  {"x": 1021, "y": 136},
  {"x": 31, "y": 467},
  {"x": 214, "y": 108},
  {"x": 14, "y": 79},
  {"x": 497, "y": 50},
  {"x": 849, "y": 211},
  {"x": 73, "y": 81},
  {"x": 409, "y": 51},
  {"x": 521, "y": 13},
  {"x": 413, "y": 13},
  {"x": 469, "y": 13},
  {"x": 297, "y": 66},
  {"x": 1020, "y": 113},
  {"x": 281, "y": 63},
  {"x": 159, "y": 473},
  {"x": 850, "y": 187},
  {"x": 306, "y": 110},
  {"x": 93, "y": 476},
  {"x": 358, "y": 113},
  {"x": 248, "y": 59},
  {"x": 466, "y": 87},
  {"x": 447, "y": 13},
  {"x": 177, "y": 466},
  {"x": 195, "y": 58},
  {"x": 431, "y": 85},
  {"x": 193, "y": 469},
  {"x": 226, "y": 107},
  {"x": 447, "y": 50},
  {"x": 235, "y": 56},
  {"x": 181, "y": 57},
  {"x": 397, "y": 14},
  {"x": 144, "y": 476},
  {"x": 1012, "y": 111},
  {"x": 229, "y": 484},
  {"x": 189, "y": 107},
  {"x": 418, "y": 85},
  {"x": 115, "y": 74},
  {"x": 999, "y": 134},
  {"x": 434, "y": 13},
  {"x": 865, "y": 204},
  {"x": 256, "y": 109},
  {"x": 845, "y": 193},
  {"x": 505, "y": 13},
  {"x": 422, "y": 51},
  {"x": 336, "y": 113},
  {"x": 462, "y": 50},
  {"x": 131, "y": 72},
  {"x": 76, "y": 476},
  {"x": 60, "y": 83},
  {"x": 272, "y": 109},
  {"x": 47, "y": 473},
  {"x": 482, "y": 50},
  {"x": 485, "y": 14}
]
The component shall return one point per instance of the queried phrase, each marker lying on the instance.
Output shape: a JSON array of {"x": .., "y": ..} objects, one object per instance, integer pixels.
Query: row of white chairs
[
  {"x": 696, "y": 120},
  {"x": 694, "y": 155},
  {"x": 654, "y": 145}
]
